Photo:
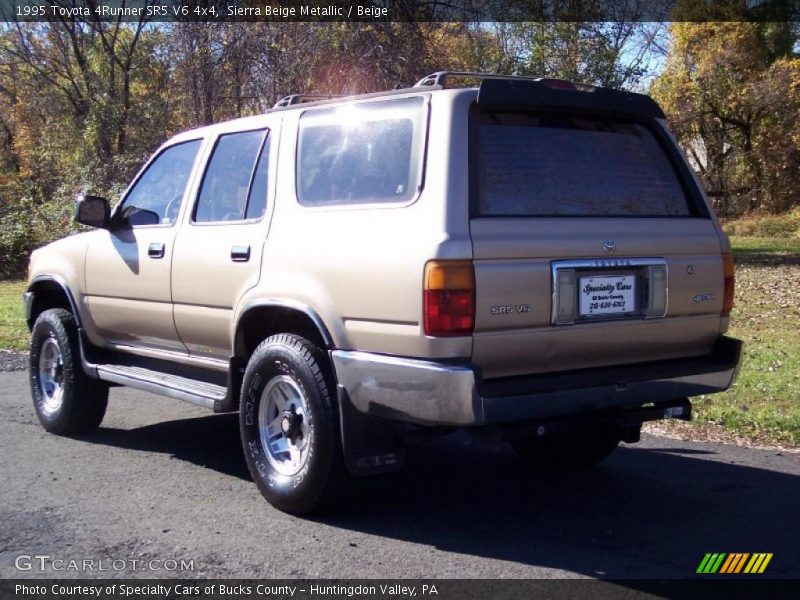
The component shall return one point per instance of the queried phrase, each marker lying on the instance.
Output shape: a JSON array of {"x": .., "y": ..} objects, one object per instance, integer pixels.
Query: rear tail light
[
  {"x": 727, "y": 299},
  {"x": 449, "y": 297}
]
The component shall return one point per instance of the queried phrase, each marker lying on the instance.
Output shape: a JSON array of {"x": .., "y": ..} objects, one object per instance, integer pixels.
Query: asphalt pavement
[{"x": 165, "y": 480}]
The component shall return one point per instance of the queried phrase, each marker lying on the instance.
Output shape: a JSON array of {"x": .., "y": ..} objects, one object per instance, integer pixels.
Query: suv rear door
[
  {"x": 220, "y": 244},
  {"x": 592, "y": 244}
]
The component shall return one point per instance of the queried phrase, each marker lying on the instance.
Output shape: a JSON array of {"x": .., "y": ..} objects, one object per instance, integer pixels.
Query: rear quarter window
[
  {"x": 557, "y": 165},
  {"x": 360, "y": 153}
]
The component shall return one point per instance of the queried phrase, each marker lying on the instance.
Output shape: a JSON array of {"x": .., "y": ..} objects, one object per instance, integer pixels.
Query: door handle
[
  {"x": 155, "y": 250},
  {"x": 240, "y": 253}
]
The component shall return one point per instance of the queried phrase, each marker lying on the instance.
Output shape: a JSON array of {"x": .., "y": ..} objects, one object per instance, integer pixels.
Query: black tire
[
  {"x": 566, "y": 453},
  {"x": 83, "y": 400},
  {"x": 299, "y": 366}
]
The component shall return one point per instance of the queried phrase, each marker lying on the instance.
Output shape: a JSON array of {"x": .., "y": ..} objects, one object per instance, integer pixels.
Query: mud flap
[
  {"x": 230, "y": 403},
  {"x": 371, "y": 445}
]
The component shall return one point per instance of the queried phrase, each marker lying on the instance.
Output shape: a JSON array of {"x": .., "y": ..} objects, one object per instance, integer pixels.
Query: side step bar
[{"x": 190, "y": 390}]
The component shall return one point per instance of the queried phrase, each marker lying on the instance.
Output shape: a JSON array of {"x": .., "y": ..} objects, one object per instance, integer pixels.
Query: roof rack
[
  {"x": 440, "y": 77},
  {"x": 302, "y": 98}
]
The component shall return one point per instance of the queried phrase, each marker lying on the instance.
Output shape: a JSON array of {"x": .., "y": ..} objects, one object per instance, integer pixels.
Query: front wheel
[
  {"x": 289, "y": 425},
  {"x": 565, "y": 453},
  {"x": 66, "y": 400}
]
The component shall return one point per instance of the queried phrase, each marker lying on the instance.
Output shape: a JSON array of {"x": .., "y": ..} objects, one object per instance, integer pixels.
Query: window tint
[
  {"x": 359, "y": 154},
  {"x": 224, "y": 191},
  {"x": 257, "y": 200},
  {"x": 158, "y": 192},
  {"x": 553, "y": 166}
]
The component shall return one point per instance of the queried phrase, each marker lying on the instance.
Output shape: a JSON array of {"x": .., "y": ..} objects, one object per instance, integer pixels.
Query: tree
[
  {"x": 730, "y": 92},
  {"x": 83, "y": 102}
]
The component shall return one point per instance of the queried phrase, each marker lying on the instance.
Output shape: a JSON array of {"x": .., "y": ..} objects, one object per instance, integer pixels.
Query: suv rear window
[
  {"x": 360, "y": 153},
  {"x": 553, "y": 165}
]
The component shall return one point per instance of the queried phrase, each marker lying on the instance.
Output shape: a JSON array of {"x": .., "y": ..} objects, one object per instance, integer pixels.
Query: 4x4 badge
[
  {"x": 609, "y": 247},
  {"x": 703, "y": 298}
]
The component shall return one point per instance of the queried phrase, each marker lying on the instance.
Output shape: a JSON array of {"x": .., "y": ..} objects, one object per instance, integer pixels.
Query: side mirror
[{"x": 93, "y": 211}]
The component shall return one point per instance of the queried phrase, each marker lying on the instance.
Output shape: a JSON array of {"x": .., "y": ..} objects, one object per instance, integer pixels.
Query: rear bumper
[{"x": 438, "y": 393}]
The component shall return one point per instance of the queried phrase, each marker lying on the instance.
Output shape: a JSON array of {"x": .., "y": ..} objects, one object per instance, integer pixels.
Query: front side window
[
  {"x": 232, "y": 170},
  {"x": 361, "y": 154},
  {"x": 156, "y": 196}
]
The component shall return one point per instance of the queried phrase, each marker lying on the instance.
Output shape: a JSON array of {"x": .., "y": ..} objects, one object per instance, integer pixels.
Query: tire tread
[
  {"x": 326, "y": 494},
  {"x": 85, "y": 409}
]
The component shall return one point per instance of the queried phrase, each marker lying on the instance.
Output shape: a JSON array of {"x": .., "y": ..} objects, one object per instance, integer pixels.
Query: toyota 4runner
[{"x": 532, "y": 259}]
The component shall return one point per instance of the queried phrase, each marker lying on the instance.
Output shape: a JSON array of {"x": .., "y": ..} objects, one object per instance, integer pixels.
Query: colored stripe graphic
[
  {"x": 703, "y": 563},
  {"x": 754, "y": 563},
  {"x": 740, "y": 563},
  {"x": 727, "y": 564},
  {"x": 758, "y": 563},
  {"x": 711, "y": 562},
  {"x": 765, "y": 563},
  {"x": 735, "y": 562},
  {"x": 716, "y": 565}
]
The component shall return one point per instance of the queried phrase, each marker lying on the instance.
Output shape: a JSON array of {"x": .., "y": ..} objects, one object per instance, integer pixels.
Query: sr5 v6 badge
[{"x": 506, "y": 309}]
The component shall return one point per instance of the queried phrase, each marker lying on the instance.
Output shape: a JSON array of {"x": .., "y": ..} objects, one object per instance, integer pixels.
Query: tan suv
[{"x": 529, "y": 258}]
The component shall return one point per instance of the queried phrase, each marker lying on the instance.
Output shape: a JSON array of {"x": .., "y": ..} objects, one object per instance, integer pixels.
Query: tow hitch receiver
[{"x": 626, "y": 424}]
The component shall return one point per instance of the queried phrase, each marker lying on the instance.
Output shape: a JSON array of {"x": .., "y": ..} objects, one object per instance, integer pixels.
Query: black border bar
[{"x": 364, "y": 11}]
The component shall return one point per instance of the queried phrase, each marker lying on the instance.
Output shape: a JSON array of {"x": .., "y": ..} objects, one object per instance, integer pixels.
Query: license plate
[{"x": 607, "y": 295}]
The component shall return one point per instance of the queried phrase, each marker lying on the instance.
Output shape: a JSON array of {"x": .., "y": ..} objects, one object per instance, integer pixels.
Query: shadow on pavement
[
  {"x": 211, "y": 441},
  {"x": 643, "y": 513}
]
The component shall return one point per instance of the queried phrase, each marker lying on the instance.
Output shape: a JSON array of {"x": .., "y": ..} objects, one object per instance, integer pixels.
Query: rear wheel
[
  {"x": 289, "y": 425},
  {"x": 66, "y": 400},
  {"x": 566, "y": 453}
]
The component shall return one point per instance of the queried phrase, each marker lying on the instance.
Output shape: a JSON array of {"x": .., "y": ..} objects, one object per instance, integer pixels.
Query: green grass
[
  {"x": 766, "y": 250},
  {"x": 13, "y": 332},
  {"x": 764, "y": 403}
]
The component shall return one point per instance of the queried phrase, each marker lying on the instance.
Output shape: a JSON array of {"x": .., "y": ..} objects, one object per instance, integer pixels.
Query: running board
[{"x": 189, "y": 390}]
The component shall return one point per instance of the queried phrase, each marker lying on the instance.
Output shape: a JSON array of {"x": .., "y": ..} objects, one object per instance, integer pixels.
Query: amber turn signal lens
[{"x": 449, "y": 298}]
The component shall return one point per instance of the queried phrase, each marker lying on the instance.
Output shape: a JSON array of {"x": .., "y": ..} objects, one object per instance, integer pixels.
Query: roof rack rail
[
  {"x": 440, "y": 77},
  {"x": 302, "y": 98}
]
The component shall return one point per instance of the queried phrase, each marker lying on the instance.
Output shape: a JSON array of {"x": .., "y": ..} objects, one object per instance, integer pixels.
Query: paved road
[{"x": 167, "y": 480}]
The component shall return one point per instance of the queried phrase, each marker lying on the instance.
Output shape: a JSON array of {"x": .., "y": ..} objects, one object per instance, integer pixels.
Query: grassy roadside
[
  {"x": 763, "y": 405},
  {"x": 13, "y": 332}
]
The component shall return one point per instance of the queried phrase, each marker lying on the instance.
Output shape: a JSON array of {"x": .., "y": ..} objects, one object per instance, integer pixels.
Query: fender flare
[
  {"x": 88, "y": 366},
  {"x": 290, "y": 304},
  {"x": 60, "y": 282}
]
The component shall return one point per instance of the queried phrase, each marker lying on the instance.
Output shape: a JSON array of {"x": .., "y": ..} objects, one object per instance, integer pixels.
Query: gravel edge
[
  {"x": 13, "y": 361},
  {"x": 710, "y": 432}
]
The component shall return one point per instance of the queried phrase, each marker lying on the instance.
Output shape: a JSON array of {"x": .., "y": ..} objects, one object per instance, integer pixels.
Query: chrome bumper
[{"x": 436, "y": 393}]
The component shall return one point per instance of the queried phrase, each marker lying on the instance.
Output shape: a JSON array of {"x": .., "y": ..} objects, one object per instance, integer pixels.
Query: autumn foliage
[
  {"x": 731, "y": 92},
  {"x": 84, "y": 103}
]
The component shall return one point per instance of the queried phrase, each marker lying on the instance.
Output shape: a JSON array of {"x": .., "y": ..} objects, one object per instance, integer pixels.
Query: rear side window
[
  {"x": 226, "y": 189},
  {"x": 551, "y": 165},
  {"x": 360, "y": 154},
  {"x": 257, "y": 200}
]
